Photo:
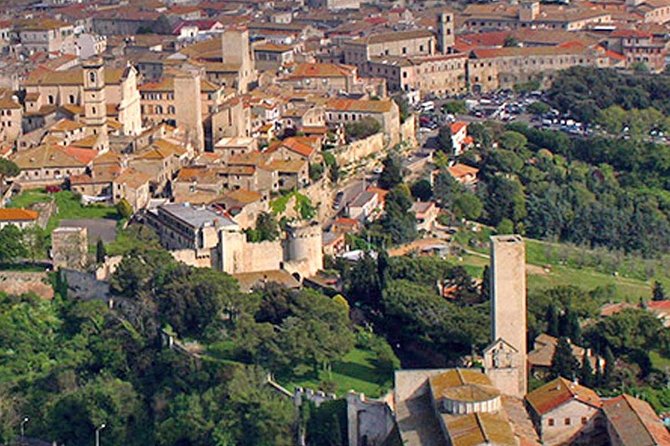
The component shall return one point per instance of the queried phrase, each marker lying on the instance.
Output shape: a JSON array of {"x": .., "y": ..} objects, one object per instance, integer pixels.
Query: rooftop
[
  {"x": 197, "y": 217},
  {"x": 558, "y": 392}
]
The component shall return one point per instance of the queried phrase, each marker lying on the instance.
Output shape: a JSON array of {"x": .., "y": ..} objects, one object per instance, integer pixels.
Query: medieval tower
[
  {"x": 188, "y": 109},
  {"x": 445, "y": 32},
  {"x": 95, "y": 104},
  {"x": 237, "y": 54},
  {"x": 505, "y": 359}
]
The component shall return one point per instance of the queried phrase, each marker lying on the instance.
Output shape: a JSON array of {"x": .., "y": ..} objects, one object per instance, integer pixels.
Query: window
[
  {"x": 567, "y": 421},
  {"x": 550, "y": 421},
  {"x": 71, "y": 99},
  {"x": 91, "y": 77},
  {"x": 584, "y": 420},
  {"x": 51, "y": 99}
]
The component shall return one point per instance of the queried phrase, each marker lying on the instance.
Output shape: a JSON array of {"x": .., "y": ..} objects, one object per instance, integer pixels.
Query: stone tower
[
  {"x": 529, "y": 10},
  {"x": 445, "y": 32},
  {"x": 95, "y": 103},
  {"x": 304, "y": 248},
  {"x": 237, "y": 52},
  {"x": 188, "y": 106},
  {"x": 505, "y": 359}
]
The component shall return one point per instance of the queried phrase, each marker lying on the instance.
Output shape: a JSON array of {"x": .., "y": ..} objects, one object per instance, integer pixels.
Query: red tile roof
[
  {"x": 558, "y": 392},
  {"x": 635, "y": 422},
  {"x": 17, "y": 215}
]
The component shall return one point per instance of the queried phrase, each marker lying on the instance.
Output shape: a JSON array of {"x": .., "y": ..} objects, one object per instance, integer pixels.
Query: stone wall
[
  {"x": 360, "y": 149},
  {"x": 239, "y": 256},
  {"x": 192, "y": 257},
  {"x": 371, "y": 420},
  {"x": 20, "y": 282},
  {"x": 408, "y": 131}
]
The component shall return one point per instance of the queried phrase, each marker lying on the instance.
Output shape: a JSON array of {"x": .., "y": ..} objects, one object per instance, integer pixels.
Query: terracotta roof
[
  {"x": 478, "y": 429},
  {"x": 558, "y": 392},
  {"x": 73, "y": 76},
  {"x": 614, "y": 308},
  {"x": 321, "y": 70},
  {"x": 287, "y": 166},
  {"x": 460, "y": 170},
  {"x": 393, "y": 37},
  {"x": 458, "y": 126},
  {"x": 294, "y": 145},
  {"x": 9, "y": 214},
  {"x": 133, "y": 178},
  {"x": 46, "y": 156},
  {"x": 360, "y": 105},
  {"x": 635, "y": 422},
  {"x": 85, "y": 156},
  {"x": 270, "y": 47},
  {"x": 65, "y": 125},
  {"x": 244, "y": 196},
  {"x": 40, "y": 25}
]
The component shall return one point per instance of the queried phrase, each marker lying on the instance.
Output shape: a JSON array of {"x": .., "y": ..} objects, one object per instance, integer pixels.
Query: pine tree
[
  {"x": 608, "y": 369},
  {"x": 552, "y": 321},
  {"x": 586, "y": 372},
  {"x": 563, "y": 363},
  {"x": 598, "y": 376},
  {"x": 100, "y": 252},
  {"x": 658, "y": 292}
]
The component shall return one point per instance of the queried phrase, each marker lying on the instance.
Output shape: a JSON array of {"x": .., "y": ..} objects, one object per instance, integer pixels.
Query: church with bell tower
[{"x": 95, "y": 104}]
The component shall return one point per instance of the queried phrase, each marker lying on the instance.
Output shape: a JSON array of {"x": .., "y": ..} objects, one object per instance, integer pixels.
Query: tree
[
  {"x": 455, "y": 107},
  {"x": 362, "y": 128},
  {"x": 658, "y": 292},
  {"x": 444, "y": 140},
  {"x": 538, "y": 108},
  {"x": 468, "y": 206},
  {"x": 327, "y": 424},
  {"x": 334, "y": 173},
  {"x": 485, "y": 290},
  {"x": 552, "y": 321},
  {"x": 34, "y": 240},
  {"x": 612, "y": 119},
  {"x": 505, "y": 227},
  {"x": 315, "y": 171},
  {"x": 608, "y": 370},
  {"x": 563, "y": 363},
  {"x": 510, "y": 41},
  {"x": 8, "y": 168},
  {"x": 586, "y": 377},
  {"x": 398, "y": 222},
  {"x": 403, "y": 107},
  {"x": 124, "y": 209},
  {"x": 513, "y": 141},
  {"x": 422, "y": 190},
  {"x": 446, "y": 189},
  {"x": 11, "y": 244},
  {"x": 100, "y": 252},
  {"x": 267, "y": 228},
  {"x": 391, "y": 174}
]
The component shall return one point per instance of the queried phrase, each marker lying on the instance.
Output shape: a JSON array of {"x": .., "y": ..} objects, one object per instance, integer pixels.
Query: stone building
[
  {"x": 384, "y": 111},
  {"x": 69, "y": 247},
  {"x": 95, "y": 103},
  {"x": 566, "y": 412}
]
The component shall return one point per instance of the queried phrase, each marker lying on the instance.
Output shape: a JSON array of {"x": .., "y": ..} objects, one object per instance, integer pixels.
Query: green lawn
[
  {"x": 355, "y": 372},
  {"x": 29, "y": 197},
  {"x": 565, "y": 264},
  {"x": 69, "y": 207},
  {"x": 658, "y": 361}
]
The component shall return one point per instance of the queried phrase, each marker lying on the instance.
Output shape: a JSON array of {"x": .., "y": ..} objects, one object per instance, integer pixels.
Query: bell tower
[
  {"x": 505, "y": 360},
  {"x": 95, "y": 104}
]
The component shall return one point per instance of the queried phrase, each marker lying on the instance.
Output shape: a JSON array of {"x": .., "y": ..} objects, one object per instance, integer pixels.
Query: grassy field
[
  {"x": 356, "y": 371},
  {"x": 69, "y": 207},
  {"x": 553, "y": 264}
]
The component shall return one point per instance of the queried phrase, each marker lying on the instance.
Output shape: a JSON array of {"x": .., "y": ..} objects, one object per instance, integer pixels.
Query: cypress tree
[
  {"x": 609, "y": 368},
  {"x": 552, "y": 321},
  {"x": 586, "y": 372},
  {"x": 485, "y": 290},
  {"x": 658, "y": 291},
  {"x": 100, "y": 252},
  {"x": 564, "y": 363}
]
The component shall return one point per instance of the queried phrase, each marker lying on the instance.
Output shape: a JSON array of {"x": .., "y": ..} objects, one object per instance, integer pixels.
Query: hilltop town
[{"x": 334, "y": 222}]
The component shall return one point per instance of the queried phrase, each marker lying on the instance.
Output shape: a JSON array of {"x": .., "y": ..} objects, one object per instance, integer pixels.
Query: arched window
[
  {"x": 170, "y": 110},
  {"x": 51, "y": 99},
  {"x": 93, "y": 110},
  {"x": 159, "y": 110},
  {"x": 71, "y": 98},
  {"x": 91, "y": 77}
]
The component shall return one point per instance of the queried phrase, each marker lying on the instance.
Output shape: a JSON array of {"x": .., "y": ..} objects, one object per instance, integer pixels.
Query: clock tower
[{"x": 95, "y": 104}]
